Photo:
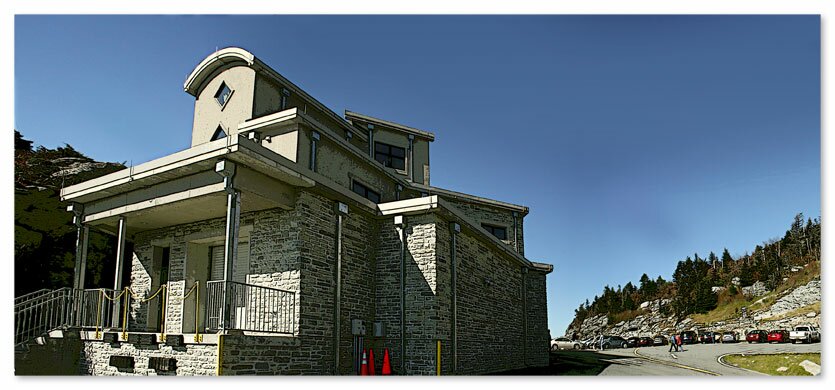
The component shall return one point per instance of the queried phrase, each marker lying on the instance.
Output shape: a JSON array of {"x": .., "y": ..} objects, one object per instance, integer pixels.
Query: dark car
[
  {"x": 610, "y": 342},
  {"x": 778, "y": 336},
  {"x": 645, "y": 342},
  {"x": 758, "y": 336},
  {"x": 689, "y": 337},
  {"x": 660, "y": 340},
  {"x": 729, "y": 337},
  {"x": 632, "y": 342},
  {"x": 710, "y": 337}
]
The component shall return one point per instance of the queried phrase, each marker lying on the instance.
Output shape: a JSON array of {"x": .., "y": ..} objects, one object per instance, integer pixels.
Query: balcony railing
[{"x": 253, "y": 308}]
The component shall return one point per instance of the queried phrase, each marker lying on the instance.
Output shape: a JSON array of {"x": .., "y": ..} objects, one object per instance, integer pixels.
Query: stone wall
[
  {"x": 191, "y": 359},
  {"x": 539, "y": 337},
  {"x": 490, "y": 310},
  {"x": 493, "y": 216}
]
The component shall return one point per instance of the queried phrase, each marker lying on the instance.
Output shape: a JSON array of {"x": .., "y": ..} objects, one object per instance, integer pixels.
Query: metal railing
[
  {"x": 42, "y": 311},
  {"x": 252, "y": 308}
]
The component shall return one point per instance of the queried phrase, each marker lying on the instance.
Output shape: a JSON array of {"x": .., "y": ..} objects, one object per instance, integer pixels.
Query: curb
[{"x": 664, "y": 362}]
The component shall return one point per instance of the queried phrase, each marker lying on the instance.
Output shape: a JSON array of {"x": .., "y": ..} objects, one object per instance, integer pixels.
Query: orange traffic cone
[
  {"x": 371, "y": 370},
  {"x": 386, "y": 364},
  {"x": 364, "y": 366}
]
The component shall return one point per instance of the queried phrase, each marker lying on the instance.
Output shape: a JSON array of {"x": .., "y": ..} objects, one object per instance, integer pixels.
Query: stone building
[{"x": 288, "y": 239}]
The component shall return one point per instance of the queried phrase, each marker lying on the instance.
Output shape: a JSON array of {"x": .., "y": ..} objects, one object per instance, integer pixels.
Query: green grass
[{"x": 768, "y": 364}]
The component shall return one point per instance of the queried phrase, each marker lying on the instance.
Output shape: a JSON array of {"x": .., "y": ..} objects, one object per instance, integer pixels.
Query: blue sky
[{"x": 635, "y": 140}]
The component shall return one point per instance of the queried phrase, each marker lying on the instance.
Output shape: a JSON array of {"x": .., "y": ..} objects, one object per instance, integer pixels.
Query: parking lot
[
  {"x": 705, "y": 357},
  {"x": 695, "y": 360}
]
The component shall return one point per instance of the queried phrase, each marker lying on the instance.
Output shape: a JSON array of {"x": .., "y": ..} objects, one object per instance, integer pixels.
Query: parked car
[
  {"x": 709, "y": 337},
  {"x": 759, "y": 336},
  {"x": 689, "y": 337},
  {"x": 730, "y": 337},
  {"x": 564, "y": 343},
  {"x": 660, "y": 340},
  {"x": 632, "y": 342},
  {"x": 610, "y": 342},
  {"x": 805, "y": 333},
  {"x": 778, "y": 336},
  {"x": 645, "y": 342}
]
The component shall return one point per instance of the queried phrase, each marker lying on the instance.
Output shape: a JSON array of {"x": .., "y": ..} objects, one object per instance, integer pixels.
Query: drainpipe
[
  {"x": 455, "y": 229},
  {"x": 401, "y": 229},
  {"x": 342, "y": 209},
  {"x": 411, "y": 157},
  {"x": 525, "y": 315},
  {"x": 515, "y": 230},
  {"x": 370, "y": 140}
]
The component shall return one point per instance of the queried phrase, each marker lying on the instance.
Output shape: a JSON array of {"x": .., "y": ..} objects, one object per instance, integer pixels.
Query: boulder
[
  {"x": 755, "y": 290},
  {"x": 717, "y": 289}
]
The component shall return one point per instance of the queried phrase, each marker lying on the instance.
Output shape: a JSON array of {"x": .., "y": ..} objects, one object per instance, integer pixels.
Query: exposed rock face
[
  {"x": 755, "y": 290},
  {"x": 799, "y": 297},
  {"x": 652, "y": 322}
]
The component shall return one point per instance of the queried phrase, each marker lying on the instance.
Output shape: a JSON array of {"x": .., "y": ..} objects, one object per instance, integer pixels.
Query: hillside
[
  {"x": 44, "y": 247},
  {"x": 776, "y": 286}
]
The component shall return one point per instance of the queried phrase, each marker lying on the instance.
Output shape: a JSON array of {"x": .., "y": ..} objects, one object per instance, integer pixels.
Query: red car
[
  {"x": 756, "y": 336},
  {"x": 778, "y": 336}
]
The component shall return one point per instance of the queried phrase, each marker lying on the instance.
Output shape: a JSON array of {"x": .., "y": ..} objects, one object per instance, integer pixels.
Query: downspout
[
  {"x": 525, "y": 315},
  {"x": 342, "y": 209},
  {"x": 456, "y": 228},
  {"x": 370, "y": 140},
  {"x": 411, "y": 157},
  {"x": 398, "y": 221},
  {"x": 515, "y": 230}
]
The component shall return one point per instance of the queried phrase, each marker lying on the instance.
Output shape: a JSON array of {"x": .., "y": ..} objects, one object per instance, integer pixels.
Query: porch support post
[
  {"x": 120, "y": 256},
  {"x": 80, "y": 245},
  {"x": 233, "y": 213}
]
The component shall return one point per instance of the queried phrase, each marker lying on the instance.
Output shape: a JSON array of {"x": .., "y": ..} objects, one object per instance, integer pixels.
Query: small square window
[{"x": 222, "y": 94}]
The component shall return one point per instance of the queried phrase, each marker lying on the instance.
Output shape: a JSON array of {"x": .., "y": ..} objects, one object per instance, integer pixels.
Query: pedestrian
[
  {"x": 673, "y": 345},
  {"x": 679, "y": 343}
]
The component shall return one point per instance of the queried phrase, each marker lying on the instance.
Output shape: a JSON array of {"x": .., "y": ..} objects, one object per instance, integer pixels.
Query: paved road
[{"x": 697, "y": 359}]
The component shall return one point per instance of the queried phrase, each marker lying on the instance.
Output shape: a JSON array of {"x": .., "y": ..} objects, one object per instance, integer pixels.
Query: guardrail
[{"x": 252, "y": 308}]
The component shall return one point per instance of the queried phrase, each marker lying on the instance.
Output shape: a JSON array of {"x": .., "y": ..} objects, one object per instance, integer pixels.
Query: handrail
[{"x": 30, "y": 295}]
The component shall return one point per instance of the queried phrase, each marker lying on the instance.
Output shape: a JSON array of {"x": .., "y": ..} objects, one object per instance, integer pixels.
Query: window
[
  {"x": 390, "y": 156},
  {"x": 498, "y": 231},
  {"x": 222, "y": 94},
  {"x": 219, "y": 133},
  {"x": 365, "y": 192}
]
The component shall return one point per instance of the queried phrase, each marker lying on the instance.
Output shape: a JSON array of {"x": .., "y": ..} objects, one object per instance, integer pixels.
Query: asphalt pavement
[{"x": 697, "y": 359}]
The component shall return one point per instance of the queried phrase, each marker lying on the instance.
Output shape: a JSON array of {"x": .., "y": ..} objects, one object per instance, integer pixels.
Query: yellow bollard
[{"x": 438, "y": 359}]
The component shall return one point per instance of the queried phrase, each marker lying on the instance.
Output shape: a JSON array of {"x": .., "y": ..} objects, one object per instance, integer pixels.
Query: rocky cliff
[{"x": 786, "y": 312}]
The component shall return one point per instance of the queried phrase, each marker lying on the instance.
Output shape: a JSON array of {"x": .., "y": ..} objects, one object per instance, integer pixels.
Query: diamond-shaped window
[{"x": 223, "y": 93}]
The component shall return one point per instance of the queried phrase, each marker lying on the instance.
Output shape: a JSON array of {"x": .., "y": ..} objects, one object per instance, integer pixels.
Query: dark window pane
[
  {"x": 359, "y": 188},
  {"x": 382, "y": 158},
  {"x": 398, "y": 152},
  {"x": 219, "y": 133},
  {"x": 398, "y": 163},
  {"x": 373, "y": 196},
  {"x": 501, "y": 233}
]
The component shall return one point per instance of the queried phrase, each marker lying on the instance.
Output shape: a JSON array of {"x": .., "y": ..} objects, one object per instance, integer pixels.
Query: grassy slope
[{"x": 730, "y": 306}]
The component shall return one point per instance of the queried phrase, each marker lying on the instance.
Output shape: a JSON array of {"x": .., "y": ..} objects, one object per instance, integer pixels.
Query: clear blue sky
[{"x": 636, "y": 141}]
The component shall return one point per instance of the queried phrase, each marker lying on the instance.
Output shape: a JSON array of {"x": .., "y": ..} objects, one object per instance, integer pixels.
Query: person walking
[
  {"x": 673, "y": 344},
  {"x": 679, "y": 343}
]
